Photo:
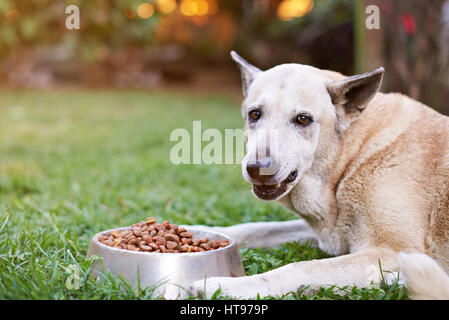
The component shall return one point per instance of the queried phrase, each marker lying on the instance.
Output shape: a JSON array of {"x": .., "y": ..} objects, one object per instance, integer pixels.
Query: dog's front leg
[
  {"x": 357, "y": 269},
  {"x": 267, "y": 234}
]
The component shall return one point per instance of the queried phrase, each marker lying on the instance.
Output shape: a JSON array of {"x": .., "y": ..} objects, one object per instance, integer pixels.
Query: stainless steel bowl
[{"x": 173, "y": 271}]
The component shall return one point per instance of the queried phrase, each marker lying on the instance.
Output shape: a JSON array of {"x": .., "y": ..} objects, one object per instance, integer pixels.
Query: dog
[{"x": 367, "y": 172}]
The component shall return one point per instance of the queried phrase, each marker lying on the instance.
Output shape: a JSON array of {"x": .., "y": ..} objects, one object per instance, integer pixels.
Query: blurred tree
[
  {"x": 137, "y": 37},
  {"x": 412, "y": 45}
]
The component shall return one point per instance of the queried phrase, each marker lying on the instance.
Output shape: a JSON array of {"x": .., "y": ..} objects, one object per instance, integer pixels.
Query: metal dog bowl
[{"x": 174, "y": 272}]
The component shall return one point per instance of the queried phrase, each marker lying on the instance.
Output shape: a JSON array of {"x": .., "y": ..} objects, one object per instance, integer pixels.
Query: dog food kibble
[{"x": 149, "y": 236}]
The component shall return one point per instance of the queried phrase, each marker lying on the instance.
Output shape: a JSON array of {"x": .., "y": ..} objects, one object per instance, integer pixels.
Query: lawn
[{"x": 73, "y": 163}]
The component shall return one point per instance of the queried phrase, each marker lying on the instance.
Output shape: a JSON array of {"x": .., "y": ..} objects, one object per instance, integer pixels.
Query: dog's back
[{"x": 412, "y": 141}]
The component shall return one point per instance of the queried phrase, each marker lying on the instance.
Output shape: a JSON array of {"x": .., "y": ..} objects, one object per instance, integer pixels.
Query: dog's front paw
[
  {"x": 209, "y": 286},
  {"x": 228, "y": 286},
  {"x": 241, "y": 287}
]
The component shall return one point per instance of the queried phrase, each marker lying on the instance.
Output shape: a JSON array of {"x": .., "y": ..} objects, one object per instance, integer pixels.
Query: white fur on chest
[{"x": 312, "y": 199}]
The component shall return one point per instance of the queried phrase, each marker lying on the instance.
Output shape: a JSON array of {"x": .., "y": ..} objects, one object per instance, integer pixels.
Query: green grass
[{"x": 73, "y": 163}]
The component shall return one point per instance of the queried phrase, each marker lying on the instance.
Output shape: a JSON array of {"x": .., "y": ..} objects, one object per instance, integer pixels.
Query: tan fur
[{"x": 371, "y": 188}]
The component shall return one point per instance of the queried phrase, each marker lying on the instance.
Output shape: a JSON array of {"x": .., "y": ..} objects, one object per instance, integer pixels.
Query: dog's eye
[
  {"x": 303, "y": 120},
  {"x": 254, "y": 115}
]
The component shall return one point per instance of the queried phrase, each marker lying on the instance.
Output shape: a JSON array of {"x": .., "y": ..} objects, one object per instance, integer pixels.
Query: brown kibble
[
  {"x": 166, "y": 236},
  {"x": 145, "y": 233},
  {"x": 129, "y": 236},
  {"x": 224, "y": 243},
  {"x": 109, "y": 242},
  {"x": 214, "y": 244},
  {"x": 151, "y": 220},
  {"x": 186, "y": 240},
  {"x": 186, "y": 234},
  {"x": 115, "y": 234},
  {"x": 171, "y": 245},
  {"x": 180, "y": 230},
  {"x": 171, "y": 237},
  {"x": 166, "y": 224},
  {"x": 146, "y": 248},
  {"x": 160, "y": 240},
  {"x": 149, "y": 236}
]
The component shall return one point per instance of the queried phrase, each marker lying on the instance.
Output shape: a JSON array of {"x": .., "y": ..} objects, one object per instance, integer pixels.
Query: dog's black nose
[{"x": 261, "y": 170}]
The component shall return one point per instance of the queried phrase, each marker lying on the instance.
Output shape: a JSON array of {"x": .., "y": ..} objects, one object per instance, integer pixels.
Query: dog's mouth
[{"x": 273, "y": 192}]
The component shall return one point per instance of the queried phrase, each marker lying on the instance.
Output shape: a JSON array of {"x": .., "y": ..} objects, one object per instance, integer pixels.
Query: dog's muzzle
[{"x": 274, "y": 191}]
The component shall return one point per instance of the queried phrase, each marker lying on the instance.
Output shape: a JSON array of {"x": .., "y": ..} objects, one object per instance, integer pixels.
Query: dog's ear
[
  {"x": 355, "y": 93},
  {"x": 248, "y": 71}
]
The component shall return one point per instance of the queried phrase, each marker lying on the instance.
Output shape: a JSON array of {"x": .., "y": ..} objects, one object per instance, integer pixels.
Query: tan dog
[{"x": 368, "y": 172}]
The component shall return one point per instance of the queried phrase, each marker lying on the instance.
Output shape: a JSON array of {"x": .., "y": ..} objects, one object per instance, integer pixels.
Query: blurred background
[
  {"x": 86, "y": 116},
  {"x": 150, "y": 44}
]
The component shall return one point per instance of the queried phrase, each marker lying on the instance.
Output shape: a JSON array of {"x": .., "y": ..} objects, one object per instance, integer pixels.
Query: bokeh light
[
  {"x": 166, "y": 6},
  {"x": 145, "y": 10},
  {"x": 194, "y": 7},
  {"x": 290, "y": 9}
]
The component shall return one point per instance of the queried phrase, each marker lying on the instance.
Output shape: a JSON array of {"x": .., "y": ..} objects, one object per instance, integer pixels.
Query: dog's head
[{"x": 293, "y": 115}]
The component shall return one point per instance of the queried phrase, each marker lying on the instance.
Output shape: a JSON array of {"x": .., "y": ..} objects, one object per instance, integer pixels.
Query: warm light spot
[
  {"x": 166, "y": 6},
  {"x": 194, "y": 7},
  {"x": 189, "y": 7},
  {"x": 289, "y": 9},
  {"x": 145, "y": 10},
  {"x": 12, "y": 15},
  {"x": 203, "y": 7}
]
